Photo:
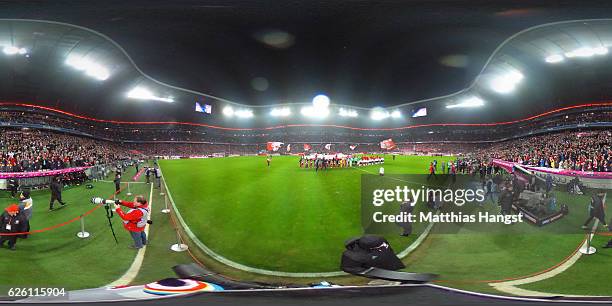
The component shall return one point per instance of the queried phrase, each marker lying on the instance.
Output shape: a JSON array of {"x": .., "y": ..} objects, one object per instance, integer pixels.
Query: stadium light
[
  {"x": 240, "y": 113},
  {"x": 467, "y": 103},
  {"x": 12, "y": 50},
  {"x": 507, "y": 82},
  {"x": 555, "y": 58},
  {"x": 600, "y": 50},
  {"x": 243, "y": 113},
  {"x": 319, "y": 108},
  {"x": 344, "y": 112},
  {"x": 280, "y": 112},
  {"x": 311, "y": 111},
  {"x": 320, "y": 101},
  {"x": 587, "y": 52},
  {"x": 91, "y": 69},
  {"x": 141, "y": 93},
  {"x": 228, "y": 111},
  {"x": 379, "y": 113}
]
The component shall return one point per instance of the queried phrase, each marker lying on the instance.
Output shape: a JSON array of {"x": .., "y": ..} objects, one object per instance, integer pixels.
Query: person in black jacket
[
  {"x": 11, "y": 221},
  {"x": 505, "y": 200},
  {"x": 148, "y": 174},
  {"x": 117, "y": 182},
  {"x": 406, "y": 208},
  {"x": 56, "y": 192},
  {"x": 13, "y": 185},
  {"x": 596, "y": 210}
]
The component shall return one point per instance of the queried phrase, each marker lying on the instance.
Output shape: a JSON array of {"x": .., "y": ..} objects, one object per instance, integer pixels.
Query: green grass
[
  {"x": 58, "y": 258},
  {"x": 588, "y": 276},
  {"x": 159, "y": 259},
  {"x": 282, "y": 217},
  {"x": 289, "y": 219},
  {"x": 469, "y": 259}
]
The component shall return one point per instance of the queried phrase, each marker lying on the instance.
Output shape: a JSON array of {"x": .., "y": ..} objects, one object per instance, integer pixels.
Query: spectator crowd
[
  {"x": 573, "y": 150},
  {"x": 35, "y": 150}
]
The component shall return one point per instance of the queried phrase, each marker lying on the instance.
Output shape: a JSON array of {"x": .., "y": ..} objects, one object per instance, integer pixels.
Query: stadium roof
[{"x": 154, "y": 60}]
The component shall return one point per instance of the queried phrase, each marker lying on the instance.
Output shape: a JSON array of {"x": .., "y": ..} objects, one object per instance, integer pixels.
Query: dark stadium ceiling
[{"x": 516, "y": 58}]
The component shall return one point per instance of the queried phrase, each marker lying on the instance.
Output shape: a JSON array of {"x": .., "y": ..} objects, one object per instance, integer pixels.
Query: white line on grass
[
  {"x": 511, "y": 286},
  {"x": 249, "y": 269},
  {"x": 132, "y": 272},
  {"x": 129, "y": 182}
]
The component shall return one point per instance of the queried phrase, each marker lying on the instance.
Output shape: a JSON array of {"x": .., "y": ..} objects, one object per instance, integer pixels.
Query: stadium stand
[{"x": 34, "y": 139}]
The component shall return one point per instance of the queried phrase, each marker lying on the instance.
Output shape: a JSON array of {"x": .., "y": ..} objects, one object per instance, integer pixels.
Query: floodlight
[
  {"x": 581, "y": 52},
  {"x": 378, "y": 113},
  {"x": 468, "y": 102},
  {"x": 310, "y": 111},
  {"x": 320, "y": 101},
  {"x": 10, "y": 50},
  {"x": 555, "y": 58},
  {"x": 600, "y": 50},
  {"x": 141, "y": 93},
  {"x": 507, "y": 82},
  {"x": 77, "y": 63},
  {"x": 244, "y": 113},
  {"x": 90, "y": 68},
  {"x": 228, "y": 111},
  {"x": 344, "y": 112},
  {"x": 97, "y": 72},
  {"x": 396, "y": 114},
  {"x": 280, "y": 112}
]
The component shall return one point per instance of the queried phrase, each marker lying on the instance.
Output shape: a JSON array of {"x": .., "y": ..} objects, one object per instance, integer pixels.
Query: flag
[
  {"x": 273, "y": 145},
  {"x": 307, "y": 147},
  {"x": 387, "y": 144},
  {"x": 352, "y": 147},
  {"x": 328, "y": 146},
  {"x": 289, "y": 148}
]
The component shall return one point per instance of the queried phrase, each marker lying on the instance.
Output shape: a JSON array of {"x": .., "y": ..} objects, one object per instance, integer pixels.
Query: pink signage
[{"x": 5, "y": 175}]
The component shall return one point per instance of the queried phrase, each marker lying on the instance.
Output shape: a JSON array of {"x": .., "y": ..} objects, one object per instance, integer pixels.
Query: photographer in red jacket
[{"x": 135, "y": 220}]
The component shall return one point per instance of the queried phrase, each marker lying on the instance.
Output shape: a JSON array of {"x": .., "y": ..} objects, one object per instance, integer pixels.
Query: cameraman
[{"x": 135, "y": 220}]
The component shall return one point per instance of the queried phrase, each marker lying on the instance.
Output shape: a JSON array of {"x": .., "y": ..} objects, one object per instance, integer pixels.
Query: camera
[{"x": 102, "y": 201}]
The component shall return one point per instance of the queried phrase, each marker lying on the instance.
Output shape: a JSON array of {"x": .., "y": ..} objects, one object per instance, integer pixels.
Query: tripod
[{"x": 109, "y": 215}]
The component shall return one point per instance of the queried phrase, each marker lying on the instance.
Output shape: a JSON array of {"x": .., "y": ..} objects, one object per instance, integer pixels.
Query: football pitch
[
  {"x": 289, "y": 219},
  {"x": 285, "y": 218},
  {"x": 282, "y": 217}
]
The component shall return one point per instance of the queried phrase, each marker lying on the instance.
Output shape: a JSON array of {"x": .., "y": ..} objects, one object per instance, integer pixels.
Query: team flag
[
  {"x": 274, "y": 145},
  {"x": 387, "y": 144},
  {"x": 307, "y": 147},
  {"x": 328, "y": 146},
  {"x": 289, "y": 148},
  {"x": 352, "y": 147}
]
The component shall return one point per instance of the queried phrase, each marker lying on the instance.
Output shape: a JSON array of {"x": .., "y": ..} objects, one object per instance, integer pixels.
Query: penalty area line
[{"x": 133, "y": 270}]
